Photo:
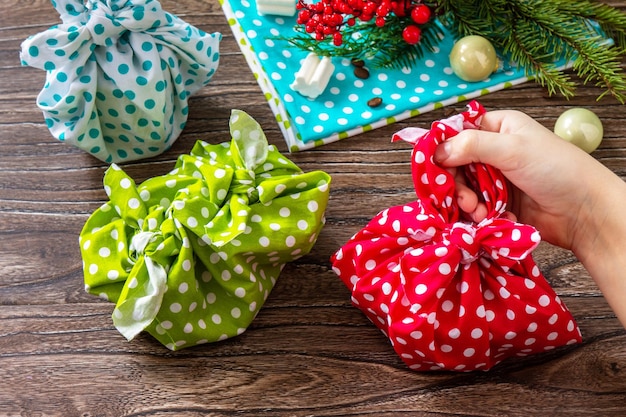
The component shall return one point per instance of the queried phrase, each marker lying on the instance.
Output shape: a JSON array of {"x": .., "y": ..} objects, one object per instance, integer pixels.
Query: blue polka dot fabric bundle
[
  {"x": 191, "y": 256},
  {"x": 119, "y": 75}
]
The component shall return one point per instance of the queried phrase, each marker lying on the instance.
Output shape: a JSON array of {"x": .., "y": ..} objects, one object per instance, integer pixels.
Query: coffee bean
[
  {"x": 375, "y": 102},
  {"x": 362, "y": 72},
  {"x": 358, "y": 62}
]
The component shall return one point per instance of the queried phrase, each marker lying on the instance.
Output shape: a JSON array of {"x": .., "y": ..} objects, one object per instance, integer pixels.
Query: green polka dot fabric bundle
[
  {"x": 119, "y": 74},
  {"x": 191, "y": 256}
]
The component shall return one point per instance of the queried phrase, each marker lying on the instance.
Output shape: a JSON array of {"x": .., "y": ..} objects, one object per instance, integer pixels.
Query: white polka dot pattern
[
  {"x": 451, "y": 294},
  {"x": 195, "y": 255}
]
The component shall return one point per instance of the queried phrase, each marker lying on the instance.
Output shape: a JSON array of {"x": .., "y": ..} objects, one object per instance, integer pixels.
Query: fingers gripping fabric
[
  {"x": 119, "y": 74},
  {"x": 452, "y": 294},
  {"x": 191, "y": 256}
]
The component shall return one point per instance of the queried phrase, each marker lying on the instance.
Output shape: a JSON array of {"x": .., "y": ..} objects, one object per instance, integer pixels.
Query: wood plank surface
[{"x": 309, "y": 352}]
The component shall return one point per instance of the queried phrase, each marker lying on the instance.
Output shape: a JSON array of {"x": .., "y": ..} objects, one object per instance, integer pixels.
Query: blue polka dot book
[
  {"x": 118, "y": 75},
  {"x": 342, "y": 109}
]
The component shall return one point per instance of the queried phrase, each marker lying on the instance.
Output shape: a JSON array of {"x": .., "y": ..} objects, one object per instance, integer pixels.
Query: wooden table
[{"x": 309, "y": 352}]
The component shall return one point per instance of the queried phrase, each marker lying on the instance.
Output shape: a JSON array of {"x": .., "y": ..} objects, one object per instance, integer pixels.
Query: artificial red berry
[
  {"x": 337, "y": 39},
  {"x": 345, "y": 8},
  {"x": 420, "y": 14},
  {"x": 327, "y": 17},
  {"x": 370, "y": 8},
  {"x": 398, "y": 8},
  {"x": 411, "y": 34}
]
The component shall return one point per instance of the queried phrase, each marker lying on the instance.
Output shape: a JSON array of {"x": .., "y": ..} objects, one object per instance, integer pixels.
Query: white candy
[
  {"x": 313, "y": 77},
  {"x": 277, "y": 7}
]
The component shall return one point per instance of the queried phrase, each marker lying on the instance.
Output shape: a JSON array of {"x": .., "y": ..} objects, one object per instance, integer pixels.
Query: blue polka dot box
[
  {"x": 119, "y": 74},
  {"x": 342, "y": 109}
]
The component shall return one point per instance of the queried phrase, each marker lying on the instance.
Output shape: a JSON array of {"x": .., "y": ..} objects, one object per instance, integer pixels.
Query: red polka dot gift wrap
[{"x": 452, "y": 294}]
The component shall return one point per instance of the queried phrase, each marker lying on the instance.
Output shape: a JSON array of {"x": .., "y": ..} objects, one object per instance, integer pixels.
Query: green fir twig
[{"x": 536, "y": 33}]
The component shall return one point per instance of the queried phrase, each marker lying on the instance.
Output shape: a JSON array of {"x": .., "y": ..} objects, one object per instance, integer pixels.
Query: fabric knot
[
  {"x": 244, "y": 183},
  {"x": 463, "y": 236},
  {"x": 105, "y": 29},
  {"x": 145, "y": 288},
  {"x": 140, "y": 242}
]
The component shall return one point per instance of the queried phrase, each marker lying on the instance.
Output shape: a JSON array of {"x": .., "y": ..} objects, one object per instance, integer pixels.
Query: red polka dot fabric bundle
[{"x": 452, "y": 294}]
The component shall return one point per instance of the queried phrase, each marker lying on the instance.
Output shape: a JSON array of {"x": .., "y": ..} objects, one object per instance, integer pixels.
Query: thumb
[{"x": 473, "y": 145}]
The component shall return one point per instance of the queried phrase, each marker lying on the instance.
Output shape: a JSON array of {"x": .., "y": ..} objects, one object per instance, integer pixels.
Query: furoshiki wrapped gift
[
  {"x": 192, "y": 255},
  {"x": 119, "y": 75},
  {"x": 449, "y": 293}
]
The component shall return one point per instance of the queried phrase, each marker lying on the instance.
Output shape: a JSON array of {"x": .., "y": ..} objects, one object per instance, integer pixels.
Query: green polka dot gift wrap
[
  {"x": 191, "y": 256},
  {"x": 119, "y": 74}
]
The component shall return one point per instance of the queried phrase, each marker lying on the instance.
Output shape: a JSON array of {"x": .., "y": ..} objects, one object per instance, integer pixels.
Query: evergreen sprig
[{"x": 535, "y": 33}]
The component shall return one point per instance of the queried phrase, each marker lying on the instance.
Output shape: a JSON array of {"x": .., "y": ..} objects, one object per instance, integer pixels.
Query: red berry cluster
[{"x": 326, "y": 17}]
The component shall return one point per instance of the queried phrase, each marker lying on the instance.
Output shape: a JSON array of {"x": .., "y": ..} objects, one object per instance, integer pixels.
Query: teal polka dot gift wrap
[
  {"x": 192, "y": 255},
  {"x": 119, "y": 74}
]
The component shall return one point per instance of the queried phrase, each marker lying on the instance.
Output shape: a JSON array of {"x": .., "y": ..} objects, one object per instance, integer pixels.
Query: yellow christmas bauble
[
  {"x": 581, "y": 127},
  {"x": 473, "y": 58}
]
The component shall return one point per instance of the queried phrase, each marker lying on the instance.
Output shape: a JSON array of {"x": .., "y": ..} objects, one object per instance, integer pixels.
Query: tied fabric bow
[
  {"x": 192, "y": 255},
  {"x": 451, "y": 294},
  {"x": 119, "y": 75}
]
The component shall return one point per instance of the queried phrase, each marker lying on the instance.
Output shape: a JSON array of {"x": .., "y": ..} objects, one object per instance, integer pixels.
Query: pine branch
[
  {"x": 522, "y": 49},
  {"x": 611, "y": 20},
  {"x": 473, "y": 17},
  {"x": 574, "y": 37},
  {"x": 536, "y": 33}
]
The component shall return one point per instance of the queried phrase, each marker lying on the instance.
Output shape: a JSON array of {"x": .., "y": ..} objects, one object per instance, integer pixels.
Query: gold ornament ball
[
  {"x": 581, "y": 127},
  {"x": 473, "y": 58}
]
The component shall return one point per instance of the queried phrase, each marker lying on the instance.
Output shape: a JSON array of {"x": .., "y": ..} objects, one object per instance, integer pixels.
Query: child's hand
[
  {"x": 545, "y": 172},
  {"x": 572, "y": 199}
]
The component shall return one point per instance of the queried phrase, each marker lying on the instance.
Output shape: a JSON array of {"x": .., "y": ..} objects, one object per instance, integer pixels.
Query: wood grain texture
[{"x": 309, "y": 352}]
